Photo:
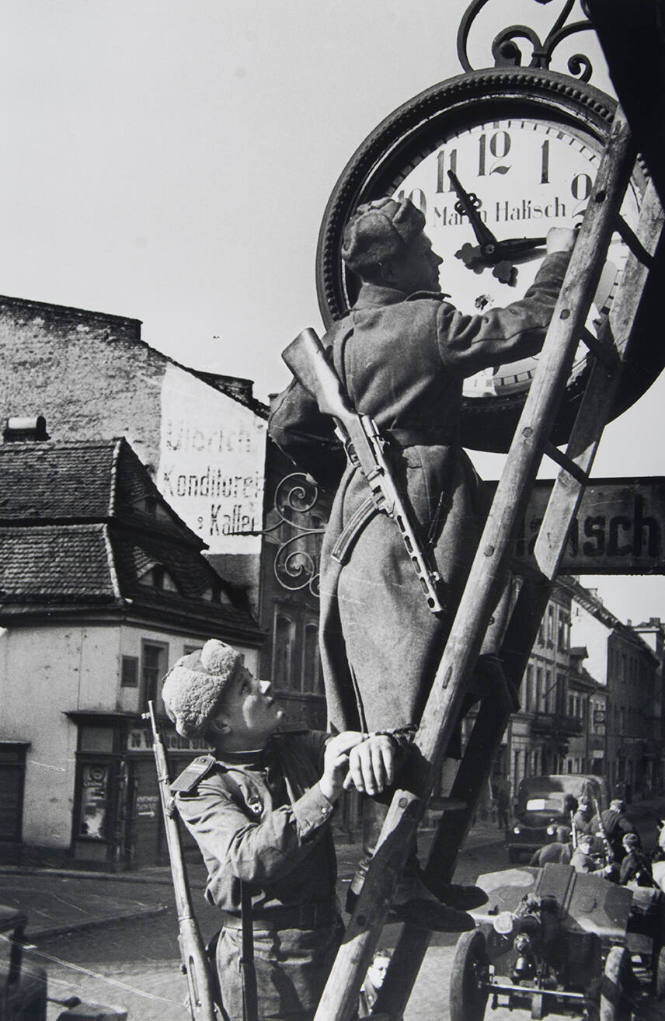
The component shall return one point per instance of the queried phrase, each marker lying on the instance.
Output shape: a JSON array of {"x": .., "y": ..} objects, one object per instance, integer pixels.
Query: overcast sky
[{"x": 171, "y": 162}]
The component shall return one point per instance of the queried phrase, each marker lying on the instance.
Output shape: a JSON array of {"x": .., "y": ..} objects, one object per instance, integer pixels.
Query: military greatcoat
[{"x": 403, "y": 361}]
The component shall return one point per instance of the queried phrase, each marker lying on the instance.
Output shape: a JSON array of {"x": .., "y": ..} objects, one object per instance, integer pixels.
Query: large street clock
[{"x": 493, "y": 158}]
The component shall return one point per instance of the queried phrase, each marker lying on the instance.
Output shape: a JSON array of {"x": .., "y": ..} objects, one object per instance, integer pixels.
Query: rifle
[
  {"x": 195, "y": 965},
  {"x": 609, "y": 853},
  {"x": 310, "y": 364},
  {"x": 573, "y": 830}
]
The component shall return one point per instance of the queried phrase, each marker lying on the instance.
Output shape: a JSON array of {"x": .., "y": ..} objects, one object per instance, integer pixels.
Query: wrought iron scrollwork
[
  {"x": 296, "y": 564},
  {"x": 507, "y": 53}
]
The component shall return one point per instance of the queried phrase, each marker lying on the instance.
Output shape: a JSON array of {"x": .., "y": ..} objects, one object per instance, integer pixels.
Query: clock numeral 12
[{"x": 499, "y": 147}]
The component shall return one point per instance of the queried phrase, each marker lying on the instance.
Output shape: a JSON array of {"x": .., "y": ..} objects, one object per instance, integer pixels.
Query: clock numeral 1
[
  {"x": 545, "y": 162},
  {"x": 444, "y": 163},
  {"x": 499, "y": 146}
]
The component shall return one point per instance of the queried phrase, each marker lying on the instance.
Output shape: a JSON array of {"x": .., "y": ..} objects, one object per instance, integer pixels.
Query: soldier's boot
[{"x": 413, "y": 902}]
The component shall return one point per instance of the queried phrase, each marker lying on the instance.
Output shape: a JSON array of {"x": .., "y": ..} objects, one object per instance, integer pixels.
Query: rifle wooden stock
[
  {"x": 195, "y": 964},
  {"x": 309, "y": 363}
]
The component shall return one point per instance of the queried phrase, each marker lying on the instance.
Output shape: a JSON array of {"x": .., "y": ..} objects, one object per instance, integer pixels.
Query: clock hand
[
  {"x": 499, "y": 255},
  {"x": 515, "y": 246},
  {"x": 467, "y": 205}
]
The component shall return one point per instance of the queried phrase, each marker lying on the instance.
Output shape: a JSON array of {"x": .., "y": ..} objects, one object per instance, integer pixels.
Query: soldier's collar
[
  {"x": 253, "y": 758},
  {"x": 377, "y": 294}
]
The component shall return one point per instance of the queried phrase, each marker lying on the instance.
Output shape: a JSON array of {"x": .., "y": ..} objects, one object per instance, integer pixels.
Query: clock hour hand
[{"x": 467, "y": 205}]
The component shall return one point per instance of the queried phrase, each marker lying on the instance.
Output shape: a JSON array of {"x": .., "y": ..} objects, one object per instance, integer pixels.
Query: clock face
[
  {"x": 526, "y": 144},
  {"x": 526, "y": 175}
]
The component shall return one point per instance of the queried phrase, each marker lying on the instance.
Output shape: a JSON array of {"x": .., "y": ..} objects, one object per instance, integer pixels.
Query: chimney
[{"x": 19, "y": 430}]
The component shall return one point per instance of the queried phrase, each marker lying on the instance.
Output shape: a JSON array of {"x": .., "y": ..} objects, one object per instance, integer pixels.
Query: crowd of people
[{"x": 606, "y": 843}]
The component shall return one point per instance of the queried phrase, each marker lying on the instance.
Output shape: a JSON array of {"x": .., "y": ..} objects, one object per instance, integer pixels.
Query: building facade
[
  {"x": 103, "y": 588},
  {"x": 203, "y": 439}
]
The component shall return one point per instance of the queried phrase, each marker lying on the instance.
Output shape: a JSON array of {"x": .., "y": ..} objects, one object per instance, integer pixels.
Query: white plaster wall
[
  {"x": 47, "y": 671},
  {"x": 586, "y": 630},
  {"x": 44, "y": 673}
]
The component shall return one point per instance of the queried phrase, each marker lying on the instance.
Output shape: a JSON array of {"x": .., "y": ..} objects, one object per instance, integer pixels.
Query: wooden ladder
[{"x": 490, "y": 571}]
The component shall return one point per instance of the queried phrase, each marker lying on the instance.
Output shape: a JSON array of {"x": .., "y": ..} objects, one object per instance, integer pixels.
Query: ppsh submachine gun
[
  {"x": 195, "y": 963},
  {"x": 311, "y": 365}
]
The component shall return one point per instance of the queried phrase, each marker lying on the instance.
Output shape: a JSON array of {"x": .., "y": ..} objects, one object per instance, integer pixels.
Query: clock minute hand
[
  {"x": 467, "y": 205},
  {"x": 515, "y": 246}
]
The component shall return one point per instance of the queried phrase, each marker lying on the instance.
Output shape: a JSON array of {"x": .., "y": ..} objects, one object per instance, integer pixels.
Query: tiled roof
[
  {"x": 75, "y": 531},
  {"x": 66, "y": 562},
  {"x": 45, "y": 481},
  {"x": 82, "y": 481}
]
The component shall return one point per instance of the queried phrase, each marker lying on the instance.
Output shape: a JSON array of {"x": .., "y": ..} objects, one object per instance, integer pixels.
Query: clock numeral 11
[{"x": 445, "y": 161}]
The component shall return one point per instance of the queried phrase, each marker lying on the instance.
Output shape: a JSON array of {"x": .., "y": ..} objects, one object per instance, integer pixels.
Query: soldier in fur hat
[{"x": 259, "y": 808}]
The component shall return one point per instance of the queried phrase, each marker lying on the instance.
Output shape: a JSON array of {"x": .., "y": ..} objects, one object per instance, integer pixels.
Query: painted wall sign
[
  {"x": 619, "y": 527},
  {"x": 212, "y": 456}
]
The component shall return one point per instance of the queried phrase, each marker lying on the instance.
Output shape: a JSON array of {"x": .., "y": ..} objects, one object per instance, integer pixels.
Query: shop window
[
  {"x": 283, "y": 649},
  {"x": 96, "y": 739},
  {"x": 311, "y": 663},
  {"x": 154, "y": 664},
  {"x": 550, "y": 626},
  {"x": 94, "y": 803},
  {"x": 129, "y": 672}
]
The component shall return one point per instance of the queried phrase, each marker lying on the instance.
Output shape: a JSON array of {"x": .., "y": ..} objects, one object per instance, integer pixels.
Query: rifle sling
[{"x": 250, "y": 1007}]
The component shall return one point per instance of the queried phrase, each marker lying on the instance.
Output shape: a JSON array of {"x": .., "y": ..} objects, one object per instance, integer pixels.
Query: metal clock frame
[{"x": 415, "y": 130}]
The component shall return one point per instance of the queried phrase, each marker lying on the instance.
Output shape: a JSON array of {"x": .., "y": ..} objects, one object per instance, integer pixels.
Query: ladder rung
[
  {"x": 605, "y": 352},
  {"x": 630, "y": 238},
  {"x": 566, "y": 463},
  {"x": 448, "y": 804}
]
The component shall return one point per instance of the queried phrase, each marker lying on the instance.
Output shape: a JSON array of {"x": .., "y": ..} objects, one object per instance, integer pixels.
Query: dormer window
[
  {"x": 149, "y": 504},
  {"x": 215, "y": 594},
  {"x": 159, "y": 578}
]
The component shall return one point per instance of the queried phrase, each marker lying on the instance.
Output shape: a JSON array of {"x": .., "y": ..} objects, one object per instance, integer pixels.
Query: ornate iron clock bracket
[
  {"x": 296, "y": 563},
  {"x": 507, "y": 53}
]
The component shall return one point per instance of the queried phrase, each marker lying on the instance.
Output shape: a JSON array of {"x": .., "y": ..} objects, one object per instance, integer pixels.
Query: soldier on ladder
[{"x": 402, "y": 354}]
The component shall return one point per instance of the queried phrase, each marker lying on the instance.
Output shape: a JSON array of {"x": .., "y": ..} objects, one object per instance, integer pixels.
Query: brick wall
[{"x": 88, "y": 373}]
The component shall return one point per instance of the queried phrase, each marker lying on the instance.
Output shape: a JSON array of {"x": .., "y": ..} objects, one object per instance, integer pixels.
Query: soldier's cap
[
  {"x": 631, "y": 840},
  {"x": 618, "y": 803},
  {"x": 194, "y": 685},
  {"x": 380, "y": 230}
]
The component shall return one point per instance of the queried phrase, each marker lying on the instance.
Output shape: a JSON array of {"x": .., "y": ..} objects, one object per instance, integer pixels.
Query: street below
[{"x": 134, "y": 963}]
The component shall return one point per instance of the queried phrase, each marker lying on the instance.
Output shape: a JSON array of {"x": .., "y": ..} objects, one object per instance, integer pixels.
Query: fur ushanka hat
[
  {"x": 195, "y": 683},
  {"x": 380, "y": 230}
]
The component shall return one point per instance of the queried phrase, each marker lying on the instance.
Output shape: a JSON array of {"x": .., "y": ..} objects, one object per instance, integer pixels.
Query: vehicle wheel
[
  {"x": 469, "y": 983},
  {"x": 659, "y": 976},
  {"x": 614, "y": 1005}
]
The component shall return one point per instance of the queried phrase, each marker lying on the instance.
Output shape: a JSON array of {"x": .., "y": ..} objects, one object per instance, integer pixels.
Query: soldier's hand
[
  {"x": 372, "y": 764},
  {"x": 336, "y": 762},
  {"x": 560, "y": 239}
]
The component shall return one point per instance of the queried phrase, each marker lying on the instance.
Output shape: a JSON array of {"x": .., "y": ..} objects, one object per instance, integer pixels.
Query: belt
[
  {"x": 418, "y": 437},
  {"x": 297, "y": 916}
]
